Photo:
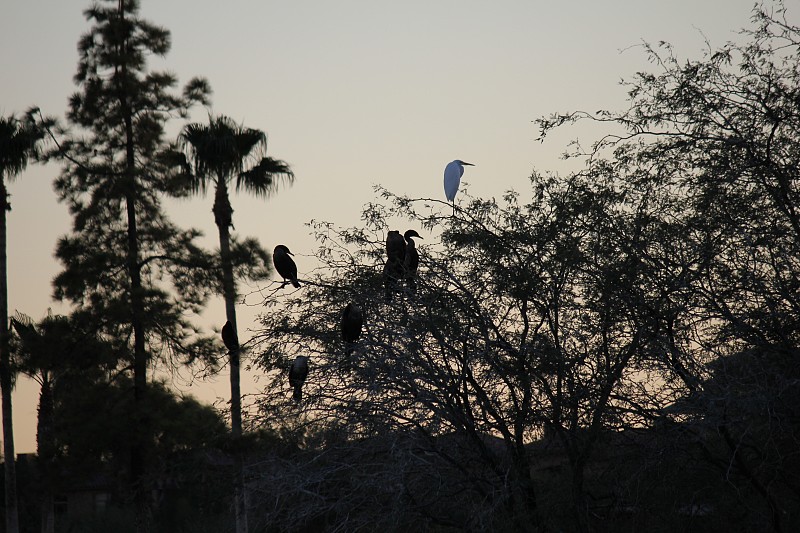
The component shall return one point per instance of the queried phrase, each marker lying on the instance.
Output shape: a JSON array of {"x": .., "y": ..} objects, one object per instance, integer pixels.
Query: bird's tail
[
  {"x": 295, "y": 283},
  {"x": 297, "y": 395}
]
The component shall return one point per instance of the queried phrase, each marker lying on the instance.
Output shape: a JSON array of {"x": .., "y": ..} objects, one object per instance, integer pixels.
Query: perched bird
[
  {"x": 352, "y": 322},
  {"x": 452, "y": 178},
  {"x": 229, "y": 337},
  {"x": 395, "y": 246},
  {"x": 285, "y": 266},
  {"x": 411, "y": 262},
  {"x": 395, "y": 257},
  {"x": 298, "y": 373}
]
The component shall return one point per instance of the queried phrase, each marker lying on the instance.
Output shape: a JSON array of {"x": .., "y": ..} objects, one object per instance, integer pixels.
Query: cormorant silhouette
[
  {"x": 411, "y": 262},
  {"x": 298, "y": 373},
  {"x": 352, "y": 322},
  {"x": 395, "y": 257},
  {"x": 395, "y": 246},
  {"x": 229, "y": 337},
  {"x": 284, "y": 264}
]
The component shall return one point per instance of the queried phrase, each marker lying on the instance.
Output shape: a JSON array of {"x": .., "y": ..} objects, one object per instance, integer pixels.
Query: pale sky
[{"x": 351, "y": 93}]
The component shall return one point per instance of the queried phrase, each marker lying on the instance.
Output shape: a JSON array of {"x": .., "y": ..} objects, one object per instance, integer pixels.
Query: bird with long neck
[
  {"x": 452, "y": 178},
  {"x": 411, "y": 261},
  {"x": 284, "y": 264}
]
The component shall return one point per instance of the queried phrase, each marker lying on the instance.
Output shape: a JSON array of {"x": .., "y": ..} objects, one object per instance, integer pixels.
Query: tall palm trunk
[
  {"x": 12, "y": 516},
  {"x": 223, "y": 216}
]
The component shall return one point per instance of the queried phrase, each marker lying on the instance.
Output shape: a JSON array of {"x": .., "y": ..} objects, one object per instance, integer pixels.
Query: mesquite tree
[{"x": 524, "y": 322}]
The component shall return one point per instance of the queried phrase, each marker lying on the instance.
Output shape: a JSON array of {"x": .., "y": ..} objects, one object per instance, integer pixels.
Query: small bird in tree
[
  {"x": 395, "y": 258},
  {"x": 411, "y": 262},
  {"x": 298, "y": 372},
  {"x": 452, "y": 178},
  {"x": 229, "y": 337},
  {"x": 352, "y": 322},
  {"x": 284, "y": 264}
]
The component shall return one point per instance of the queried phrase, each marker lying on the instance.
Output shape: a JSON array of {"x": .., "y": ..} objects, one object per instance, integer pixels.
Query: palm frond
[
  {"x": 263, "y": 178},
  {"x": 19, "y": 141},
  {"x": 223, "y": 149}
]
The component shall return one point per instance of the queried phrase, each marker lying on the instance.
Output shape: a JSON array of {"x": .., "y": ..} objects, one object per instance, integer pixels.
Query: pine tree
[{"x": 123, "y": 253}]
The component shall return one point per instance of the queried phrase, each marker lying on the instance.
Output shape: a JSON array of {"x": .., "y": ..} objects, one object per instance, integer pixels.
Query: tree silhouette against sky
[
  {"x": 224, "y": 154},
  {"x": 19, "y": 141}
]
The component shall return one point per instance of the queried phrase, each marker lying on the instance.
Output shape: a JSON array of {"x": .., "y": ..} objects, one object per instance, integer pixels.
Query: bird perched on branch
[
  {"x": 395, "y": 259},
  {"x": 411, "y": 261},
  {"x": 229, "y": 337},
  {"x": 395, "y": 246},
  {"x": 284, "y": 264},
  {"x": 452, "y": 178},
  {"x": 352, "y": 322},
  {"x": 298, "y": 372}
]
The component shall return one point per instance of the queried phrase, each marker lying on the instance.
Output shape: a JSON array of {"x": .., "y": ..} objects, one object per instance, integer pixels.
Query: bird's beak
[{"x": 470, "y": 164}]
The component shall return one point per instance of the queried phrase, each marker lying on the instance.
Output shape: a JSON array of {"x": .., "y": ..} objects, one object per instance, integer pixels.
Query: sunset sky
[{"x": 351, "y": 94}]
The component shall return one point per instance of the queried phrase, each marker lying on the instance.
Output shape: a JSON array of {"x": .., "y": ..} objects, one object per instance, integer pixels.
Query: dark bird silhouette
[
  {"x": 395, "y": 246},
  {"x": 395, "y": 258},
  {"x": 298, "y": 373},
  {"x": 229, "y": 337},
  {"x": 411, "y": 262},
  {"x": 352, "y": 322},
  {"x": 284, "y": 264}
]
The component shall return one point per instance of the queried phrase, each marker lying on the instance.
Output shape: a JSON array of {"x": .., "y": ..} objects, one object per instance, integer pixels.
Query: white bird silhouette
[{"x": 452, "y": 178}]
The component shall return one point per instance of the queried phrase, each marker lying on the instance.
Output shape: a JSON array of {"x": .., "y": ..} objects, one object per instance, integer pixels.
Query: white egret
[{"x": 452, "y": 178}]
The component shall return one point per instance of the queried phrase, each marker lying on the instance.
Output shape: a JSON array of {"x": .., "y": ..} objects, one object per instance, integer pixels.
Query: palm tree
[
  {"x": 54, "y": 350},
  {"x": 31, "y": 354},
  {"x": 19, "y": 140},
  {"x": 221, "y": 152}
]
